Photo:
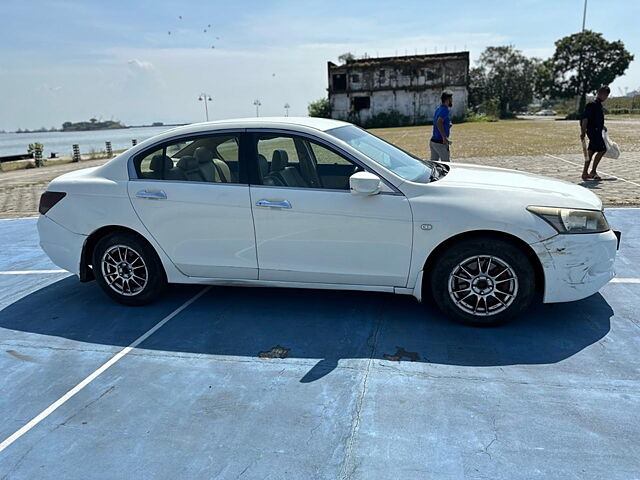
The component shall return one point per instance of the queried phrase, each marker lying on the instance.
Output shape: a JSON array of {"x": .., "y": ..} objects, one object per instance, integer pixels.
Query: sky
[{"x": 115, "y": 60}]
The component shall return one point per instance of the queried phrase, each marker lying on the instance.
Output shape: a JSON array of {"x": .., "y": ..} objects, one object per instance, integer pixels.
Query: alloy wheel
[
  {"x": 124, "y": 270},
  {"x": 483, "y": 285}
]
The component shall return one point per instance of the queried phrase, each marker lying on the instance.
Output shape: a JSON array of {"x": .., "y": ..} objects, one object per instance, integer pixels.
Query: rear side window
[
  {"x": 148, "y": 167},
  {"x": 212, "y": 159}
]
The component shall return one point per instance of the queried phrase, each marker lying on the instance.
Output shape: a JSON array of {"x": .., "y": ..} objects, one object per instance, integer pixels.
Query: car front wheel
[
  {"x": 128, "y": 269},
  {"x": 483, "y": 281}
]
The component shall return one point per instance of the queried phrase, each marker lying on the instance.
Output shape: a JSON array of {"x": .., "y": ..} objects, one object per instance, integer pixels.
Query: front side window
[
  {"x": 213, "y": 159},
  {"x": 387, "y": 155},
  {"x": 292, "y": 161}
]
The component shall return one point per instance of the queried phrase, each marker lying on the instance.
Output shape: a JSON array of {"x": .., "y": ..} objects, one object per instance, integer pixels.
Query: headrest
[
  {"x": 160, "y": 162},
  {"x": 279, "y": 160},
  {"x": 263, "y": 165},
  {"x": 203, "y": 154},
  {"x": 187, "y": 163}
]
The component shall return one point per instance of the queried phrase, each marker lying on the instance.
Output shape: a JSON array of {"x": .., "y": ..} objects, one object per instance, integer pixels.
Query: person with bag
[{"x": 592, "y": 125}]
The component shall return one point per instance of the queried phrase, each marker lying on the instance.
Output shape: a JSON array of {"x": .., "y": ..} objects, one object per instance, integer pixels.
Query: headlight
[{"x": 570, "y": 220}]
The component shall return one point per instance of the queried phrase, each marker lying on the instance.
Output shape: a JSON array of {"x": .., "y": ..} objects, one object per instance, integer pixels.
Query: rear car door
[
  {"x": 310, "y": 228},
  {"x": 192, "y": 195}
]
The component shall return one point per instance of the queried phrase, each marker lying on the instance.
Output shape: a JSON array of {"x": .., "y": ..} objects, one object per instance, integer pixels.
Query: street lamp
[
  {"x": 257, "y": 103},
  {"x": 286, "y": 109},
  {"x": 205, "y": 97}
]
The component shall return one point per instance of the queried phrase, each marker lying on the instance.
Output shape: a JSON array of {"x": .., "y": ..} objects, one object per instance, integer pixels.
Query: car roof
[{"x": 322, "y": 124}]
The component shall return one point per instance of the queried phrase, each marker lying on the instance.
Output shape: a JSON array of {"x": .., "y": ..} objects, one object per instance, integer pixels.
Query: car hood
[{"x": 521, "y": 187}]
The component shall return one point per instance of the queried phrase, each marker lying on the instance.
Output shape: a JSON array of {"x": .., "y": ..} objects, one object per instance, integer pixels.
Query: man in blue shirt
[{"x": 439, "y": 144}]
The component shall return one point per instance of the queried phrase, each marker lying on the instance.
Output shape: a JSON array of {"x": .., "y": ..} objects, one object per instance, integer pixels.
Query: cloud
[{"x": 140, "y": 65}]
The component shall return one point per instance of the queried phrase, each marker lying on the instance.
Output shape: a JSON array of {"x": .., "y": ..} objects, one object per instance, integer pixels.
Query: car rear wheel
[
  {"x": 483, "y": 281},
  {"x": 128, "y": 269}
]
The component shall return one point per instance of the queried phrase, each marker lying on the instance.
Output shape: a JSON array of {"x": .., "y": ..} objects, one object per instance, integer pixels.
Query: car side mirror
[{"x": 364, "y": 183}]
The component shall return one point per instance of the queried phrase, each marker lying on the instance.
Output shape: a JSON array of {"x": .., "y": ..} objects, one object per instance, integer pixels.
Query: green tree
[
  {"x": 581, "y": 64},
  {"x": 320, "y": 108},
  {"x": 506, "y": 75}
]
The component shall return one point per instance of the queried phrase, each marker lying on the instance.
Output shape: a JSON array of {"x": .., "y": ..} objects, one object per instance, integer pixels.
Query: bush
[
  {"x": 320, "y": 108},
  {"x": 392, "y": 118},
  {"x": 35, "y": 146},
  {"x": 479, "y": 117}
]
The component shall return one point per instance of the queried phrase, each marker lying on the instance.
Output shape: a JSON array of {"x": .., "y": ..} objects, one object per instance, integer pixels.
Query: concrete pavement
[{"x": 291, "y": 384}]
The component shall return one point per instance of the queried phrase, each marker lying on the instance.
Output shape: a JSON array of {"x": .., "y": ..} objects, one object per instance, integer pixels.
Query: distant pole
[
  {"x": 76, "y": 152},
  {"x": 205, "y": 97},
  {"x": 134, "y": 142},
  {"x": 581, "y": 100},
  {"x": 257, "y": 103},
  {"x": 108, "y": 149},
  {"x": 37, "y": 155},
  {"x": 286, "y": 109}
]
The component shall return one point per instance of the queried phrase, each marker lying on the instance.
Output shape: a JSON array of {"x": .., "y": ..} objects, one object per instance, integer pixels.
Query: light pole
[
  {"x": 286, "y": 109},
  {"x": 205, "y": 97},
  {"x": 257, "y": 103},
  {"x": 581, "y": 97}
]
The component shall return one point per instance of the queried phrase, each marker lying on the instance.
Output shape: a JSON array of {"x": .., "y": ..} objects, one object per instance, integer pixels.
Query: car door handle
[
  {"x": 268, "y": 203},
  {"x": 152, "y": 195}
]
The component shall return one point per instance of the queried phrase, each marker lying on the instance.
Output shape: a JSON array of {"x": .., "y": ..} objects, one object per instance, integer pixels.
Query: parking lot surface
[{"x": 294, "y": 384}]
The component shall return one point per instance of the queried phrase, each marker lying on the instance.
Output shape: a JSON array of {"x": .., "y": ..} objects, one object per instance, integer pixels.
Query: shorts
[
  {"x": 439, "y": 151},
  {"x": 596, "y": 142}
]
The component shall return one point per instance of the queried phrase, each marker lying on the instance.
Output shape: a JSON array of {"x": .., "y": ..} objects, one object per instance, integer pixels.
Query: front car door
[
  {"x": 311, "y": 229},
  {"x": 193, "y": 197}
]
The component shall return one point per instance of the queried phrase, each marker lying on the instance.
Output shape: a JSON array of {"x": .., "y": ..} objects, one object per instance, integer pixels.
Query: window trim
[
  {"x": 243, "y": 178},
  {"x": 251, "y": 159}
]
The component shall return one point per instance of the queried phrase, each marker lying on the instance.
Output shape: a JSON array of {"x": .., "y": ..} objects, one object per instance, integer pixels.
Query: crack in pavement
[{"x": 347, "y": 467}]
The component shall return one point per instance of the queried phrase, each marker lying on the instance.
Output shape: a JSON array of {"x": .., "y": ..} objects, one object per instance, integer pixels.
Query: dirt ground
[{"x": 541, "y": 146}]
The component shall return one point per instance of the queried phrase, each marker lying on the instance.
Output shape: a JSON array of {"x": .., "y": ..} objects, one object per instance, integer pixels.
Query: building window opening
[
  {"x": 361, "y": 103},
  {"x": 339, "y": 82}
]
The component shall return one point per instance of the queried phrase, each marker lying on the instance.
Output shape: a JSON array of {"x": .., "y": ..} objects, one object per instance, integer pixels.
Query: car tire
[
  {"x": 482, "y": 281},
  {"x": 128, "y": 269}
]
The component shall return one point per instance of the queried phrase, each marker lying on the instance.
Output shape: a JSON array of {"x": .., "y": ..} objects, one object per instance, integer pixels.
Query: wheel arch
[
  {"x": 495, "y": 234},
  {"x": 86, "y": 270}
]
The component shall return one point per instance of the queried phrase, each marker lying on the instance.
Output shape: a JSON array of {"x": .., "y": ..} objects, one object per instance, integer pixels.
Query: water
[{"x": 61, "y": 142}]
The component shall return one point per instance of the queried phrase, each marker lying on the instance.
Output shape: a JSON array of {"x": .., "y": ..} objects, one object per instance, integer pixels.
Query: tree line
[{"x": 506, "y": 81}]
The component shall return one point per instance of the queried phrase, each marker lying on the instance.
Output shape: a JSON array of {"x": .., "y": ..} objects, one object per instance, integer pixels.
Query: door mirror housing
[{"x": 364, "y": 183}]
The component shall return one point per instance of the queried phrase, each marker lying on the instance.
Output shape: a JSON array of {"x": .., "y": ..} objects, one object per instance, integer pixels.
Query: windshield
[{"x": 389, "y": 156}]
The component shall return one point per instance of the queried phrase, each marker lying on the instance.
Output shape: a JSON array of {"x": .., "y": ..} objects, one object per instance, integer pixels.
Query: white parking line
[
  {"x": 30, "y": 272},
  {"x": 601, "y": 171},
  {"x": 625, "y": 280},
  {"x": 52, "y": 408}
]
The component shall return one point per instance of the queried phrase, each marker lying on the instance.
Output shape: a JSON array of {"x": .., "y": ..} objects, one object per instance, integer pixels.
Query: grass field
[{"x": 511, "y": 137}]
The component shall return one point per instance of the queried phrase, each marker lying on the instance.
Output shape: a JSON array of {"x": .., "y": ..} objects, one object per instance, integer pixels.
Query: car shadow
[{"x": 326, "y": 326}]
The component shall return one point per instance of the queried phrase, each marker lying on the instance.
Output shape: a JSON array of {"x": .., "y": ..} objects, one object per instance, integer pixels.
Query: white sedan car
[{"x": 318, "y": 203}]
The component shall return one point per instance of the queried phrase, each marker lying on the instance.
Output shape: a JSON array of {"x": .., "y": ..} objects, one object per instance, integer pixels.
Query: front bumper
[
  {"x": 62, "y": 246},
  {"x": 576, "y": 266}
]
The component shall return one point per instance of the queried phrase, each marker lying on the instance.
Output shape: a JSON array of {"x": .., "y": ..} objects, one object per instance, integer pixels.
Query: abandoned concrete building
[{"x": 410, "y": 85}]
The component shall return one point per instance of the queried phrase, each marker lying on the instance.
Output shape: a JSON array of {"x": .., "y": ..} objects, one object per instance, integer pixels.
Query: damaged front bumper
[{"x": 576, "y": 265}]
